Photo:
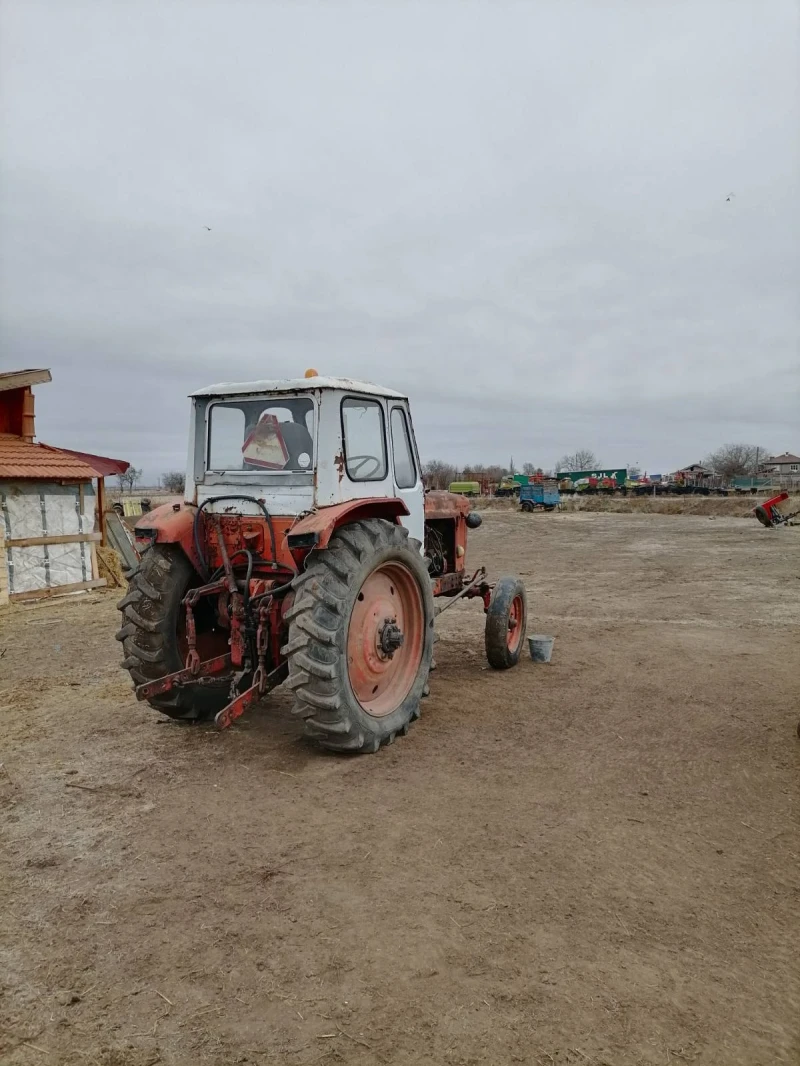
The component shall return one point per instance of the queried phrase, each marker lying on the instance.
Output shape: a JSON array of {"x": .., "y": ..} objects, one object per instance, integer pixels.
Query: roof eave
[
  {"x": 21, "y": 379},
  {"x": 291, "y": 385}
]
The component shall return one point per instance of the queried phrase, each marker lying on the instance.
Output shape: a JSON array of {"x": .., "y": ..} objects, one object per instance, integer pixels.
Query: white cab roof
[{"x": 240, "y": 388}]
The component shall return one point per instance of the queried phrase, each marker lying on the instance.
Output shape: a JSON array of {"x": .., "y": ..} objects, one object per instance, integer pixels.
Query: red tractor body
[{"x": 235, "y": 595}]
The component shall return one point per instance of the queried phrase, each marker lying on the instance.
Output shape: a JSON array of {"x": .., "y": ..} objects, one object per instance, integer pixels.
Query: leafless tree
[
  {"x": 473, "y": 472},
  {"x": 735, "y": 460},
  {"x": 496, "y": 473},
  {"x": 129, "y": 478},
  {"x": 438, "y": 474},
  {"x": 582, "y": 459},
  {"x": 530, "y": 469},
  {"x": 174, "y": 481}
]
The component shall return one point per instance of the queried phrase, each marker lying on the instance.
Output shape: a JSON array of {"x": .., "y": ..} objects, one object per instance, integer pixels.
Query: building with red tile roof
[{"x": 52, "y": 501}]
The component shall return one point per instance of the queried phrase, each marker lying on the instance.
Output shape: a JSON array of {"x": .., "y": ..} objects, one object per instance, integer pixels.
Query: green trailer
[{"x": 466, "y": 488}]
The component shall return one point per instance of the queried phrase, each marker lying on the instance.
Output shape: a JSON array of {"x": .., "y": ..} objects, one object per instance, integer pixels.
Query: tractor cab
[{"x": 304, "y": 443}]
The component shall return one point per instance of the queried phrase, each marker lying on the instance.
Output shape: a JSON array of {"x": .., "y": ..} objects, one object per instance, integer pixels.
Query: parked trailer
[
  {"x": 542, "y": 494},
  {"x": 465, "y": 488}
]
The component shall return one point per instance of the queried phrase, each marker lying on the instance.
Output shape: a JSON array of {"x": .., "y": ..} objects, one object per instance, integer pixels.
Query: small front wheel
[{"x": 506, "y": 620}]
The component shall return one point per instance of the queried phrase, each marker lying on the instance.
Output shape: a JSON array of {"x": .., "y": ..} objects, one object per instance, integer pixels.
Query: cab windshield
[{"x": 271, "y": 434}]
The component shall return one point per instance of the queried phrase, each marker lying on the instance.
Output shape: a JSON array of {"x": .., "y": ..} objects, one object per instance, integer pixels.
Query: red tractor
[{"x": 306, "y": 551}]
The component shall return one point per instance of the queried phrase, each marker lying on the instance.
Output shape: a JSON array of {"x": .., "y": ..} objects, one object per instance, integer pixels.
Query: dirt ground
[{"x": 592, "y": 862}]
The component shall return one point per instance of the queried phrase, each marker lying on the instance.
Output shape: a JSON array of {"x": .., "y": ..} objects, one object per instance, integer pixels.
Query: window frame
[
  {"x": 411, "y": 449},
  {"x": 363, "y": 398},
  {"x": 211, "y": 475}
]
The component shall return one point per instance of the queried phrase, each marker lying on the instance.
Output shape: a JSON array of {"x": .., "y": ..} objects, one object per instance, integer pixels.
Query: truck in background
[{"x": 511, "y": 484}]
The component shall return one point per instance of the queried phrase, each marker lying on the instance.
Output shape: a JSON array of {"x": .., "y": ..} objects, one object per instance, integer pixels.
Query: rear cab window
[
  {"x": 266, "y": 435},
  {"x": 405, "y": 470}
]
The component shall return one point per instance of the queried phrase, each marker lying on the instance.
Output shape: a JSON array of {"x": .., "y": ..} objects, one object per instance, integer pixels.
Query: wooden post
[
  {"x": 101, "y": 510},
  {"x": 3, "y": 570},
  {"x": 28, "y": 421}
]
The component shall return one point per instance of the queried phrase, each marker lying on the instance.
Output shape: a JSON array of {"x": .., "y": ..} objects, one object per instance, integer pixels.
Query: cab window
[
  {"x": 364, "y": 439},
  {"x": 405, "y": 472},
  {"x": 265, "y": 435}
]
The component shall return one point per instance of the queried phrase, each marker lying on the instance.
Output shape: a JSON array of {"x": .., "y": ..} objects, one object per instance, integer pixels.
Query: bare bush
[{"x": 174, "y": 481}]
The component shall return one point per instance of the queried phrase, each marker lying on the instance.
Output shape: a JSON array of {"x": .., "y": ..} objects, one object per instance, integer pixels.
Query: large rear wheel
[
  {"x": 361, "y": 637},
  {"x": 152, "y": 631}
]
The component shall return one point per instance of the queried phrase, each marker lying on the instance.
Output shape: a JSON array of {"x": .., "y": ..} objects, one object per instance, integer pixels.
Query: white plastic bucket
[{"x": 541, "y": 647}]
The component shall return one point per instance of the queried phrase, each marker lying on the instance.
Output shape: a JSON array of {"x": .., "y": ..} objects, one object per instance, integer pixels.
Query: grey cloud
[{"x": 516, "y": 213}]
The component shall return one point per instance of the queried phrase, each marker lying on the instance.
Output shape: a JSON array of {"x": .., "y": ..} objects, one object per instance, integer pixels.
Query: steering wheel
[{"x": 355, "y": 462}]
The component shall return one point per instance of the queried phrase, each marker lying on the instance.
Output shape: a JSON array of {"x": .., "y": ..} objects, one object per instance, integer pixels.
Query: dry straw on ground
[{"x": 109, "y": 566}]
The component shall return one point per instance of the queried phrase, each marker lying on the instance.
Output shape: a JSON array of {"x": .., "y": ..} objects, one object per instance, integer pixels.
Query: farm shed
[{"x": 51, "y": 502}]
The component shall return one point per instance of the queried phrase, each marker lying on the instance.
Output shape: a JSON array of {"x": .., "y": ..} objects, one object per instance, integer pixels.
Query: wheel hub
[
  {"x": 390, "y": 637},
  {"x": 385, "y": 638}
]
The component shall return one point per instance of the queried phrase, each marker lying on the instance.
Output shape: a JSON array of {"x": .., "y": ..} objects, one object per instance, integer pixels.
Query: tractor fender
[
  {"x": 171, "y": 523},
  {"x": 316, "y": 529},
  {"x": 441, "y": 504}
]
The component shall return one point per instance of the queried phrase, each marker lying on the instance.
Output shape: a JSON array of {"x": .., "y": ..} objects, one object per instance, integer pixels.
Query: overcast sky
[{"x": 514, "y": 212}]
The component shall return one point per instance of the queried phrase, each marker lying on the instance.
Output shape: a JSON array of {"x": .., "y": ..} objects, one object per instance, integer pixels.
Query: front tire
[
  {"x": 506, "y": 619},
  {"x": 355, "y": 682}
]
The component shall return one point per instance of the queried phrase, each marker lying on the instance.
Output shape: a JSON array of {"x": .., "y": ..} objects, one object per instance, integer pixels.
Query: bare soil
[
  {"x": 717, "y": 506},
  {"x": 706, "y": 506},
  {"x": 592, "y": 862}
]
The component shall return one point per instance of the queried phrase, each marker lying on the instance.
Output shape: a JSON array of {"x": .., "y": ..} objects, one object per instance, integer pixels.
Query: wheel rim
[
  {"x": 381, "y": 670},
  {"x": 515, "y": 620}
]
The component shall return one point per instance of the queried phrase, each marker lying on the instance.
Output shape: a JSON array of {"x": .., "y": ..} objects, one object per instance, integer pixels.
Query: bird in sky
[
  {"x": 209, "y": 228},
  {"x": 729, "y": 197}
]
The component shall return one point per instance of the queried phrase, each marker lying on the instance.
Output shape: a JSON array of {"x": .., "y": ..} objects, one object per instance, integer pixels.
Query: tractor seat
[{"x": 298, "y": 441}]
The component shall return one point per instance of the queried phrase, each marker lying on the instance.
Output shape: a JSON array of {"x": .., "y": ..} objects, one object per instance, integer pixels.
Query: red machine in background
[{"x": 770, "y": 516}]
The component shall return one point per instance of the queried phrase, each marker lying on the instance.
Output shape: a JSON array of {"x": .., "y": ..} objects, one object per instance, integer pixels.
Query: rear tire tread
[
  {"x": 316, "y": 648},
  {"x": 149, "y": 636}
]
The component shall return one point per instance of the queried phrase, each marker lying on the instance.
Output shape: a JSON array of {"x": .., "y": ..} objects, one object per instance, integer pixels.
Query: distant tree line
[
  {"x": 438, "y": 474},
  {"x": 731, "y": 460}
]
